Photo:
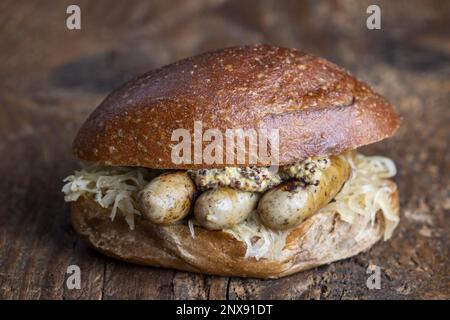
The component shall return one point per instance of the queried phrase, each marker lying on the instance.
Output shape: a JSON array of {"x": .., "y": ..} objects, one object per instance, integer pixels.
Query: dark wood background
[{"x": 52, "y": 78}]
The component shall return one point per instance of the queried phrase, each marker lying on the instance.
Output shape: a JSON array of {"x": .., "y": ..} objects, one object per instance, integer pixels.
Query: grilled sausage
[
  {"x": 223, "y": 208},
  {"x": 167, "y": 198},
  {"x": 288, "y": 204}
]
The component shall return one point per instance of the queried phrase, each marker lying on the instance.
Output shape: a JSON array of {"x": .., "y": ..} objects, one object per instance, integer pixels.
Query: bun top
[{"x": 318, "y": 108}]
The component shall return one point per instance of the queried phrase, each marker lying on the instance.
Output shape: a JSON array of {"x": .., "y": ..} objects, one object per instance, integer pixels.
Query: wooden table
[{"x": 52, "y": 78}]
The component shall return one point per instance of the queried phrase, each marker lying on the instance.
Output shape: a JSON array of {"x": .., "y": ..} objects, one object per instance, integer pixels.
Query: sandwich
[{"x": 237, "y": 162}]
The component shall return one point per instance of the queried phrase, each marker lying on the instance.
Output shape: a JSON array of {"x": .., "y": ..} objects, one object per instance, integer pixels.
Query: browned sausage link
[{"x": 290, "y": 203}]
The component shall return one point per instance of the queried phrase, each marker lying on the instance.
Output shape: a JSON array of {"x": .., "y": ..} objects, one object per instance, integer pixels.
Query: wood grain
[{"x": 52, "y": 78}]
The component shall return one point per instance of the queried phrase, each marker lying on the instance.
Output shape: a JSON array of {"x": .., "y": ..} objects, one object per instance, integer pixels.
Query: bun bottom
[{"x": 321, "y": 239}]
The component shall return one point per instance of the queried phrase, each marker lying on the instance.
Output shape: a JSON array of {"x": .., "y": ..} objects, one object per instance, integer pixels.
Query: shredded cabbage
[
  {"x": 366, "y": 192},
  {"x": 111, "y": 187},
  {"x": 261, "y": 242},
  {"x": 191, "y": 228}
]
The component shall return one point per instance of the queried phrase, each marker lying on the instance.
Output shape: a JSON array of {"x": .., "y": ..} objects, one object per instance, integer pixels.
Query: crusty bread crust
[
  {"x": 321, "y": 239},
  {"x": 319, "y": 108}
]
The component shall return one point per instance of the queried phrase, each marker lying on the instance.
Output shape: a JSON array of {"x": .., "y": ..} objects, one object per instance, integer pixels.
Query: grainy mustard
[
  {"x": 256, "y": 179},
  {"x": 259, "y": 179},
  {"x": 308, "y": 171}
]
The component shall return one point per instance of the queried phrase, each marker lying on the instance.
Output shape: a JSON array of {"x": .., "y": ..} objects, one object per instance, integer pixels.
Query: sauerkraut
[
  {"x": 110, "y": 187},
  {"x": 260, "y": 241},
  {"x": 366, "y": 192}
]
